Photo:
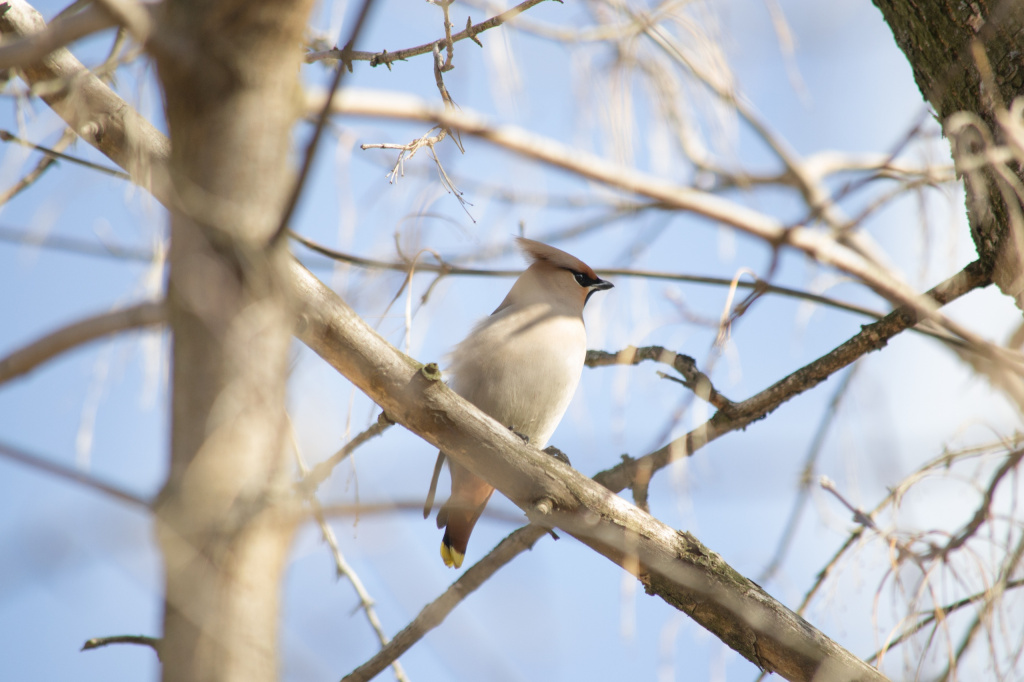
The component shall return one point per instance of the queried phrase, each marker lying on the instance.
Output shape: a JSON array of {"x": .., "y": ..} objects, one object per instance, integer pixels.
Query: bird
[{"x": 521, "y": 365}]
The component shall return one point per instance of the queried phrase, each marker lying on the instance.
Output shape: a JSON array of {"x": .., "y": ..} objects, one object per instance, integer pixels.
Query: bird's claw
[
  {"x": 557, "y": 454},
  {"x": 526, "y": 439}
]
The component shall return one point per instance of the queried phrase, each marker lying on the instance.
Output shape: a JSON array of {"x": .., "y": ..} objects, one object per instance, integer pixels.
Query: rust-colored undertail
[{"x": 460, "y": 513}]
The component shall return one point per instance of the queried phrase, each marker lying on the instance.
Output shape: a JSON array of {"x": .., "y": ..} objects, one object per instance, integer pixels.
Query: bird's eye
[{"x": 582, "y": 279}]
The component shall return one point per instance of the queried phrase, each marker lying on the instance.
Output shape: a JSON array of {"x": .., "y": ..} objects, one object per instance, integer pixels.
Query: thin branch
[
  {"x": 693, "y": 378},
  {"x": 871, "y": 337},
  {"x": 53, "y": 468},
  {"x": 1004, "y": 366},
  {"x": 321, "y": 122},
  {"x": 940, "y": 463},
  {"x": 929, "y": 618},
  {"x": 43, "y": 165},
  {"x": 387, "y": 58},
  {"x": 447, "y": 268},
  {"x": 434, "y": 613},
  {"x": 97, "y": 642},
  {"x": 807, "y": 478},
  {"x": 37, "y": 352},
  {"x": 85, "y": 247},
  {"x": 313, "y": 479},
  {"x": 57, "y": 154},
  {"x": 76, "y": 245},
  {"x": 341, "y": 566},
  {"x": 984, "y": 510}
]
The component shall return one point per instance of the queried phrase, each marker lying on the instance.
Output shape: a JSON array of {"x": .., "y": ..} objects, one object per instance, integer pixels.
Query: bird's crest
[{"x": 539, "y": 252}]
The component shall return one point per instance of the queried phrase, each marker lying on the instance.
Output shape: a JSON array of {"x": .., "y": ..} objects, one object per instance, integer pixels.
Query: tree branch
[
  {"x": 341, "y": 566},
  {"x": 92, "y": 109},
  {"x": 37, "y": 352},
  {"x": 434, "y": 613},
  {"x": 62, "y": 31},
  {"x": 693, "y": 378},
  {"x": 871, "y": 337},
  {"x": 387, "y": 58},
  {"x": 53, "y": 468},
  {"x": 447, "y": 268},
  {"x": 1006, "y": 367},
  {"x": 98, "y": 642},
  {"x": 669, "y": 563}
]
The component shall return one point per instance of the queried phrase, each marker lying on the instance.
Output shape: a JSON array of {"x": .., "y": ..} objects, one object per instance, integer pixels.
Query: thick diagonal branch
[{"x": 671, "y": 564}]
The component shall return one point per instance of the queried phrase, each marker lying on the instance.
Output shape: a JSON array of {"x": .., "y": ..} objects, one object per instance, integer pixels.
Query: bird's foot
[
  {"x": 526, "y": 439},
  {"x": 557, "y": 454}
]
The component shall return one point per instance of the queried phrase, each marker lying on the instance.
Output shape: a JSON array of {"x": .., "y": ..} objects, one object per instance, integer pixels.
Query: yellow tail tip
[{"x": 451, "y": 557}]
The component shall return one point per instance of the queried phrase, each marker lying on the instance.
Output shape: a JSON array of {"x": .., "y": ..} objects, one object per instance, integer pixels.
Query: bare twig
[
  {"x": 39, "y": 351},
  {"x": 387, "y": 58},
  {"x": 940, "y": 463},
  {"x": 97, "y": 642},
  {"x": 859, "y": 515},
  {"x": 75, "y": 245},
  {"x": 871, "y": 337},
  {"x": 342, "y": 566},
  {"x": 313, "y": 479},
  {"x": 807, "y": 478},
  {"x": 447, "y": 268},
  {"x": 58, "y": 154},
  {"x": 931, "y": 617},
  {"x": 693, "y": 378},
  {"x": 321, "y": 122},
  {"x": 41, "y": 167},
  {"x": 449, "y": 44},
  {"x": 434, "y": 613},
  {"x": 984, "y": 509},
  {"x": 53, "y": 468}
]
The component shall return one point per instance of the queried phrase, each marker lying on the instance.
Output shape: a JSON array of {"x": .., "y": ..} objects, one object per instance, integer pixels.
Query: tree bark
[
  {"x": 966, "y": 57},
  {"x": 229, "y": 72}
]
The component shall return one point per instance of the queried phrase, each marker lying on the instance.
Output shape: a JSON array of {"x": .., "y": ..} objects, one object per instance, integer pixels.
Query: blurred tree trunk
[
  {"x": 229, "y": 74},
  {"x": 967, "y": 57}
]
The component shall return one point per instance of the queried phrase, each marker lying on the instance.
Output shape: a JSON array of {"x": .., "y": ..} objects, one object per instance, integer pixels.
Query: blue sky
[{"x": 75, "y": 564}]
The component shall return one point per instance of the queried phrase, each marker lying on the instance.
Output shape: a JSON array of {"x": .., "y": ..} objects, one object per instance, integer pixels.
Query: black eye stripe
[{"x": 584, "y": 280}]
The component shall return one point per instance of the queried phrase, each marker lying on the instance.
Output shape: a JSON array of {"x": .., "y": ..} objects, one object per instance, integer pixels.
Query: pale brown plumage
[{"x": 521, "y": 366}]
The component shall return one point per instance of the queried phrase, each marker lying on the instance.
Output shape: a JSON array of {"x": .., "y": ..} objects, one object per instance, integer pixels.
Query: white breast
[{"x": 522, "y": 368}]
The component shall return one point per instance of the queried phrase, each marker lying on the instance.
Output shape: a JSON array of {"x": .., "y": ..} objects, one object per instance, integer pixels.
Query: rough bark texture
[
  {"x": 967, "y": 57},
  {"x": 229, "y": 71}
]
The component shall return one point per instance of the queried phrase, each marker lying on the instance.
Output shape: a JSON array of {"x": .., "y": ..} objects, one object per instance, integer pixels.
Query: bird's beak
[{"x": 601, "y": 285}]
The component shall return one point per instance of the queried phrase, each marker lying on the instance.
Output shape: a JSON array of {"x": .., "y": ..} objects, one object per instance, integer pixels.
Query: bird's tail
[{"x": 460, "y": 513}]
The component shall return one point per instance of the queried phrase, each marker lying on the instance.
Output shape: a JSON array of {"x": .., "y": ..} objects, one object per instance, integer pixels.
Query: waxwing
[{"x": 521, "y": 366}]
